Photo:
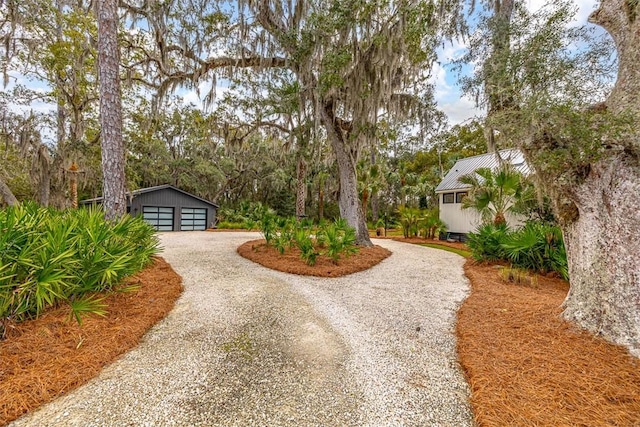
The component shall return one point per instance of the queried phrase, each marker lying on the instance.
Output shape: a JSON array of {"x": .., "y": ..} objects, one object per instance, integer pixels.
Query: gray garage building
[{"x": 168, "y": 208}]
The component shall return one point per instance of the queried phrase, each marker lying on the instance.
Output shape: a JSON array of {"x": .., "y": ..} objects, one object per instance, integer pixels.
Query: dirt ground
[
  {"x": 528, "y": 367},
  {"x": 44, "y": 358},
  {"x": 525, "y": 365}
]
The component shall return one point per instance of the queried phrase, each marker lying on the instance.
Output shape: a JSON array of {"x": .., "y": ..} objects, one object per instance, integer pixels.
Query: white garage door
[
  {"x": 193, "y": 219},
  {"x": 161, "y": 218}
]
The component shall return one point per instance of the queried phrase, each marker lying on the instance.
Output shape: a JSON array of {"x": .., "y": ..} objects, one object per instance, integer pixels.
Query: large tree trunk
[
  {"x": 603, "y": 247},
  {"x": 301, "y": 188},
  {"x": 7, "y": 195},
  {"x": 349, "y": 201},
  {"x": 603, "y": 243},
  {"x": 114, "y": 201}
]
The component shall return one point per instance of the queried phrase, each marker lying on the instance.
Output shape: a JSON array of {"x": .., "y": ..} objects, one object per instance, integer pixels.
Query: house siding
[
  {"x": 463, "y": 221},
  {"x": 169, "y": 197},
  {"x": 458, "y": 220}
]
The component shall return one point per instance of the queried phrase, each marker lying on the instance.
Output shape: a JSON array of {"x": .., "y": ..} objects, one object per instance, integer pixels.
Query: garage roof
[{"x": 135, "y": 193}]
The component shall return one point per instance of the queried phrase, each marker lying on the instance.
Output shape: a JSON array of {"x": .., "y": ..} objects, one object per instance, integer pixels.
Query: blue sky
[{"x": 458, "y": 108}]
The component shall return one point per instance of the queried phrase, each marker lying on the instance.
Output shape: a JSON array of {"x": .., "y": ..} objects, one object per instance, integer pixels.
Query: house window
[
  {"x": 460, "y": 197},
  {"x": 447, "y": 198}
]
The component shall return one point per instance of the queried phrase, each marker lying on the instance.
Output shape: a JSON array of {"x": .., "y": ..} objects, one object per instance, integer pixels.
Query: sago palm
[{"x": 493, "y": 193}]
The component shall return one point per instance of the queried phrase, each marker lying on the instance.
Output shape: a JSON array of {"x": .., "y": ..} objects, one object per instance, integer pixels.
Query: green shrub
[
  {"x": 49, "y": 257},
  {"x": 335, "y": 239},
  {"x": 267, "y": 225},
  {"x": 304, "y": 242},
  {"x": 537, "y": 247},
  {"x": 339, "y": 239},
  {"x": 228, "y": 225},
  {"x": 430, "y": 224},
  {"x": 486, "y": 242},
  {"x": 409, "y": 221}
]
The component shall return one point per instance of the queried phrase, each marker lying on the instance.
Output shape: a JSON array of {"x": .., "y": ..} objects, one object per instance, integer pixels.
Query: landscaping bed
[
  {"x": 44, "y": 358},
  {"x": 291, "y": 261}
]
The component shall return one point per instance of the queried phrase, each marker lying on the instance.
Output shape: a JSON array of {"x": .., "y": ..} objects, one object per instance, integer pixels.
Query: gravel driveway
[{"x": 247, "y": 346}]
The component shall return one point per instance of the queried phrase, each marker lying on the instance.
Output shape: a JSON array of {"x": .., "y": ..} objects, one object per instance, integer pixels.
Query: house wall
[
  {"x": 168, "y": 197},
  {"x": 460, "y": 220}
]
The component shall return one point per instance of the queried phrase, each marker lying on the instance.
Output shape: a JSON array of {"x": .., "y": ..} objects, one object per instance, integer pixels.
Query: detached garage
[{"x": 168, "y": 208}]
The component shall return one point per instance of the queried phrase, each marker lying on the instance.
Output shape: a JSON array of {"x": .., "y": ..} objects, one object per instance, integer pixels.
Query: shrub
[
  {"x": 228, "y": 225},
  {"x": 267, "y": 224},
  {"x": 537, "y": 247},
  {"x": 339, "y": 239},
  {"x": 430, "y": 225},
  {"x": 304, "y": 242},
  {"x": 48, "y": 257},
  {"x": 409, "y": 219},
  {"x": 486, "y": 242}
]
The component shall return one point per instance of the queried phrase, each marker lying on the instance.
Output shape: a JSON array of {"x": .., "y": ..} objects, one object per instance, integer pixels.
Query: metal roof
[
  {"x": 471, "y": 164},
  {"x": 135, "y": 193}
]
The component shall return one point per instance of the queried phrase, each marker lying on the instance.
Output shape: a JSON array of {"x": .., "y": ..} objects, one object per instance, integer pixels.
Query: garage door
[
  {"x": 161, "y": 218},
  {"x": 193, "y": 219}
]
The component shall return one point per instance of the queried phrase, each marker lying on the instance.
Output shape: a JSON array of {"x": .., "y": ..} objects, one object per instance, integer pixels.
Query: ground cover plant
[
  {"x": 536, "y": 246},
  {"x": 335, "y": 240},
  {"x": 50, "y": 257},
  {"x": 416, "y": 222}
]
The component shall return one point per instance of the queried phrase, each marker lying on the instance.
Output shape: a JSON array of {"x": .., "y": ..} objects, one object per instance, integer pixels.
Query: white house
[{"x": 451, "y": 191}]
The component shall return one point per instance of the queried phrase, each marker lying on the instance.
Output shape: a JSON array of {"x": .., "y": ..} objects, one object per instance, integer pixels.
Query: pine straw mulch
[
  {"x": 44, "y": 358},
  {"x": 526, "y": 366},
  {"x": 290, "y": 262}
]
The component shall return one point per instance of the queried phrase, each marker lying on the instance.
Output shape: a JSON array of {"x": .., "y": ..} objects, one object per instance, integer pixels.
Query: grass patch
[{"x": 460, "y": 252}]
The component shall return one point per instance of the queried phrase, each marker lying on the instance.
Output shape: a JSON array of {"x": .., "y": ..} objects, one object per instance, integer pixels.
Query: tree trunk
[
  {"x": 7, "y": 195},
  {"x": 43, "y": 169},
  {"x": 375, "y": 206},
  {"x": 603, "y": 241},
  {"x": 365, "y": 203},
  {"x": 114, "y": 201},
  {"x": 602, "y": 248},
  {"x": 320, "y": 202},
  {"x": 301, "y": 188},
  {"x": 349, "y": 201}
]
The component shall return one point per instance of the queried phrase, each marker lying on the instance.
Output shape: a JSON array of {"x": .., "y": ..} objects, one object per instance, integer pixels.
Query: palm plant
[
  {"x": 409, "y": 219},
  {"x": 431, "y": 225},
  {"x": 494, "y": 193}
]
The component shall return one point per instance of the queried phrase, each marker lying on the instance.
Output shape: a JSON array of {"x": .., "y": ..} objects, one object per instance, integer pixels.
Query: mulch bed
[
  {"x": 528, "y": 367},
  {"x": 46, "y": 357},
  {"x": 290, "y": 262}
]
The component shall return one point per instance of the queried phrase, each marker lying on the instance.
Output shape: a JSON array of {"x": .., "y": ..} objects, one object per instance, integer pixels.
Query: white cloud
[
  {"x": 438, "y": 78},
  {"x": 460, "y": 110}
]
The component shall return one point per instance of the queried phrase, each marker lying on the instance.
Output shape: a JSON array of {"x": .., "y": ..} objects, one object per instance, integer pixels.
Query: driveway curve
[{"x": 248, "y": 346}]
